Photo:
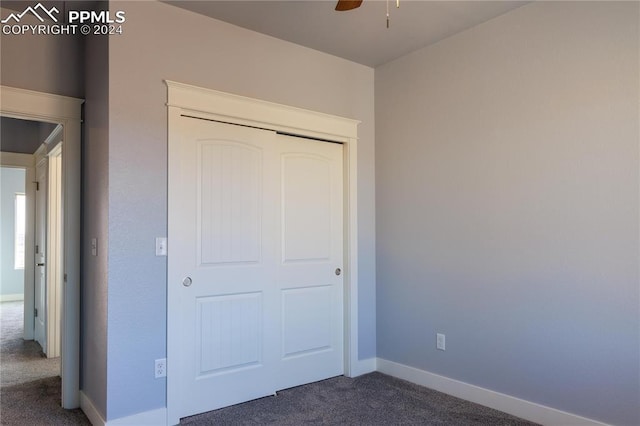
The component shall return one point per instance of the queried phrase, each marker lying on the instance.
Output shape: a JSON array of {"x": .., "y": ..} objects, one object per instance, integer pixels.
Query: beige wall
[
  {"x": 164, "y": 42},
  {"x": 507, "y": 182}
]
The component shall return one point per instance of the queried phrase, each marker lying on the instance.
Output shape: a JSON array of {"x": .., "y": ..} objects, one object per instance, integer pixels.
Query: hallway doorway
[
  {"x": 31, "y": 231},
  {"x": 64, "y": 112}
]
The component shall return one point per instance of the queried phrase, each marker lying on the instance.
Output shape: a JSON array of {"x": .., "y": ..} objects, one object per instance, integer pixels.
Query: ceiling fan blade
[{"x": 348, "y": 4}]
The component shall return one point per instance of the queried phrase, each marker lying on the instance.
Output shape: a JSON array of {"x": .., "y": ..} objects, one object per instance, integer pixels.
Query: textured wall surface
[
  {"x": 95, "y": 208},
  {"x": 45, "y": 63},
  {"x": 507, "y": 207}
]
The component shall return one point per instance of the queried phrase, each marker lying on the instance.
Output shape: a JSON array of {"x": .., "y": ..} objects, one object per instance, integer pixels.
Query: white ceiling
[{"x": 359, "y": 35}]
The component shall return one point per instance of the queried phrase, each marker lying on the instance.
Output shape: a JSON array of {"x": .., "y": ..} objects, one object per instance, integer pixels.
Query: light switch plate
[
  {"x": 161, "y": 246},
  {"x": 440, "y": 341},
  {"x": 94, "y": 247}
]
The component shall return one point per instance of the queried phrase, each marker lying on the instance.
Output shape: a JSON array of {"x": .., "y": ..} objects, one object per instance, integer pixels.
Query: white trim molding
[
  {"x": 20, "y": 103},
  {"x": 54, "y": 135},
  {"x": 146, "y": 418},
  {"x": 13, "y": 159},
  {"x": 197, "y": 102},
  {"x": 12, "y": 297},
  {"x": 509, "y": 404},
  {"x": 364, "y": 366},
  {"x": 66, "y": 111},
  {"x": 257, "y": 113},
  {"x": 90, "y": 410},
  {"x": 54, "y": 266}
]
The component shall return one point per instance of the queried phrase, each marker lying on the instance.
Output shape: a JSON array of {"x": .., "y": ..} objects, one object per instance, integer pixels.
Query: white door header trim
[
  {"x": 21, "y": 103},
  {"x": 243, "y": 110}
]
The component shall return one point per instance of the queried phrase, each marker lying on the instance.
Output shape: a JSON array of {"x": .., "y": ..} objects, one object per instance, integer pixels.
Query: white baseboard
[
  {"x": 515, "y": 406},
  {"x": 511, "y": 405},
  {"x": 155, "y": 417},
  {"x": 90, "y": 410},
  {"x": 147, "y": 418},
  {"x": 11, "y": 297},
  {"x": 363, "y": 366}
]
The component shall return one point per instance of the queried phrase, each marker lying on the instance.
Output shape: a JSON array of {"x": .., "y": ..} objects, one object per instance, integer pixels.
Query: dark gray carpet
[
  {"x": 29, "y": 382},
  {"x": 372, "y": 399},
  {"x": 37, "y": 403},
  {"x": 21, "y": 361}
]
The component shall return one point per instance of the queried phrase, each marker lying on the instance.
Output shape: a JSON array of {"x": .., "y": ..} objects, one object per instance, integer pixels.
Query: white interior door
[
  {"x": 310, "y": 282},
  {"x": 255, "y": 227},
  {"x": 40, "y": 255},
  {"x": 223, "y": 246}
]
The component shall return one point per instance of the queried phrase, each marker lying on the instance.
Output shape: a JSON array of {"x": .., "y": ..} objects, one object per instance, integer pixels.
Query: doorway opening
[
  {"x": 60, "y": 244},
  {"x": 31, "y": 231}
]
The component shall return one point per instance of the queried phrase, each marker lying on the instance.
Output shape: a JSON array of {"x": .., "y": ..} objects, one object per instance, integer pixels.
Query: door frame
[
  {"x": 54, "y": 249},
  {"x": 197, "y": 102},
  {"x": 39, "y": 106},
  {"x": 41, "y": 226}
]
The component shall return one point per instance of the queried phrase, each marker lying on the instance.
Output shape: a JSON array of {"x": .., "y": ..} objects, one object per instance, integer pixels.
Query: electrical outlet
[
  {"x": 161, "y": 368},
  {"x": 440, "y": 342}
]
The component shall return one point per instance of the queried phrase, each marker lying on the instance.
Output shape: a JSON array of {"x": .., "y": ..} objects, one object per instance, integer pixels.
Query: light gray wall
[
  {"x": 45, "y": 63},
  {"x": 194, "y": 49},
  {"x": 11, "y": 182},
  {"x": 507, "y": 207},
  {"x": 95, "y": 208}
]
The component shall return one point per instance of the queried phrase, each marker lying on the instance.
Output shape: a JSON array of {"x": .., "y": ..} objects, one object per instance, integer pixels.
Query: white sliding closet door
[{"x": 256, "y": 248}]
